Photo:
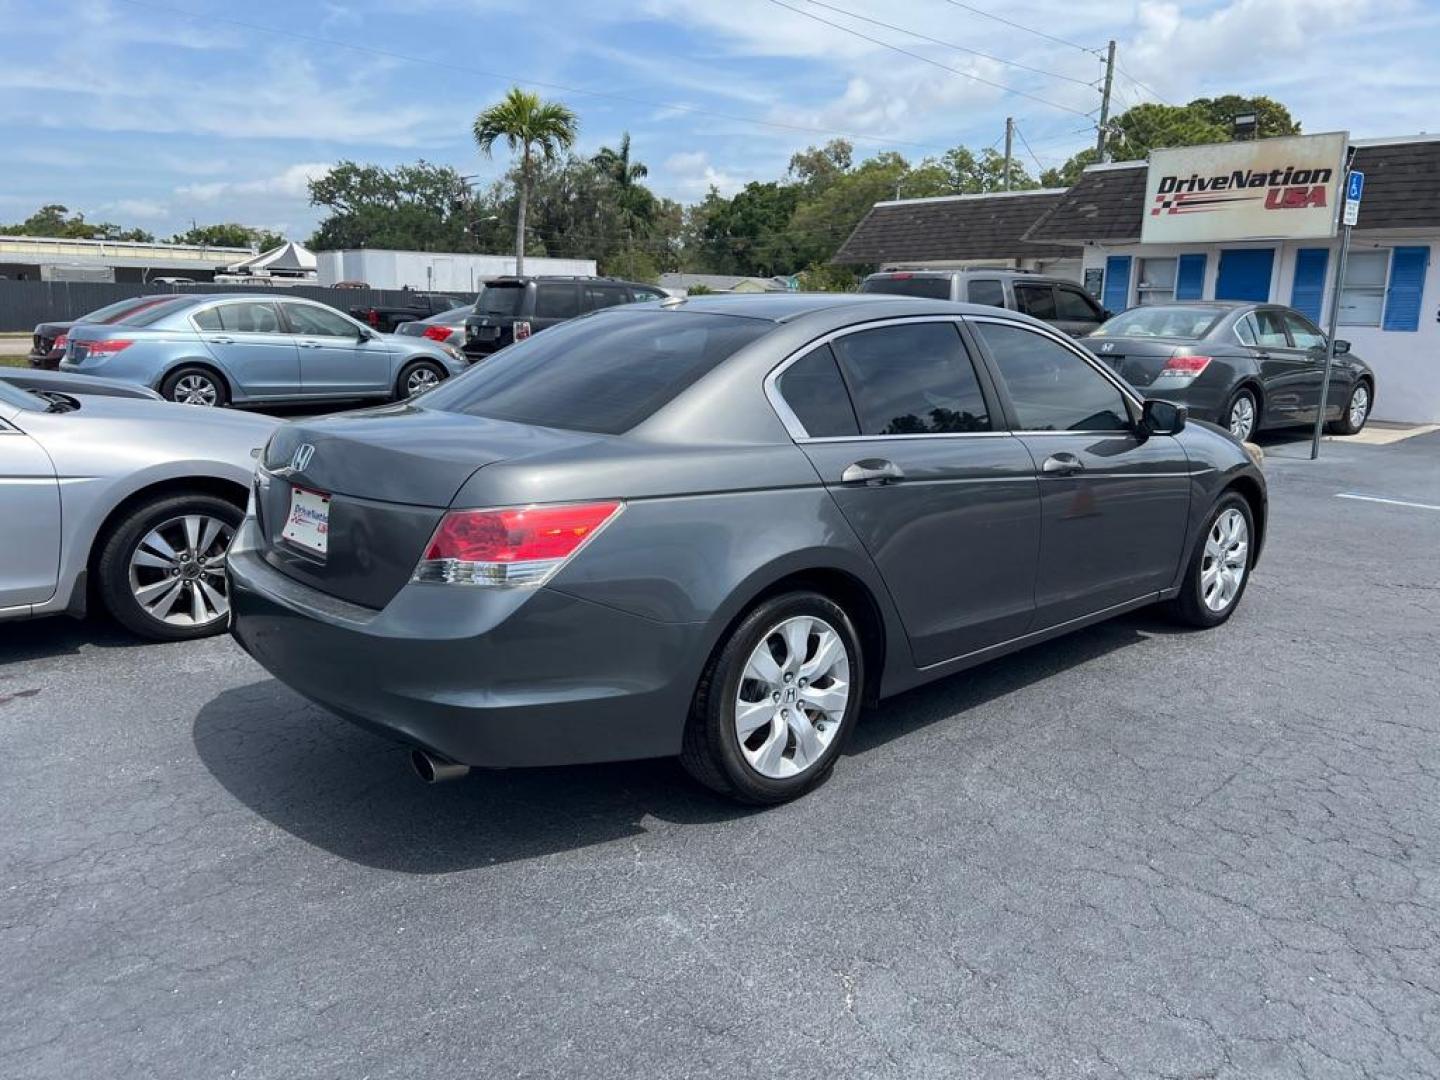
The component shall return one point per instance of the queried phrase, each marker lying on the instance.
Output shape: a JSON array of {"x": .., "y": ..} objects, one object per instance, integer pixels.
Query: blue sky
[{"x": 132, "y": 112}]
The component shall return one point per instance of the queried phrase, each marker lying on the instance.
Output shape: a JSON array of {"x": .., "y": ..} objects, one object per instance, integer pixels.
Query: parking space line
[{"x": 1391, "y": 502}]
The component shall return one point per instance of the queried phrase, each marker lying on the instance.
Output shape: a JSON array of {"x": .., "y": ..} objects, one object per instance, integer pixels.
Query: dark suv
[
  {"x": 1063, "y": 304},
  {"x": 510, "y": 309}
]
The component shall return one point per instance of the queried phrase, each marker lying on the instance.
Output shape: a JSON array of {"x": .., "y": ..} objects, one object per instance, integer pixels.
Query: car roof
[
  {"x": 977, "y": 271},
  {"x": 781, "y": 307}
]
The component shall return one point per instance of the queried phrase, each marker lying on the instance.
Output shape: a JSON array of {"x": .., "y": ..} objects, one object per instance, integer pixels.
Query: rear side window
[
  {"x": 1036, "y": 300},
  {"x": 987, "y": 291},
  {"x": 603, "y": 374},
  {"x": 1075, "y": 306},
  {"x": 913, "y": 379},
  {"x": 1245, "y": 331},
  {"x": 557, "y": 301},
  {"x": 1270, "y": 329},
  {"x": 603, "y": 296},
  {"x": 932, "y": 288},
  {"x": 1052, "y": 388},
  {"x": 257, "y": 318},
  {"x": 641, "y": 295},
  {"x": 208, "y": 320},
  {"x": 816, "y": 394}
]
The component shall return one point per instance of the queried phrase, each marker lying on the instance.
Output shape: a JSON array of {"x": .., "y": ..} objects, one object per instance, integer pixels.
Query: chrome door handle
[
  {"x": 873, "y": 472},
  {"x": 222, "y": 340},
  {"x": 310, "y": 344},
  {"x": 1062, "y": 464}
]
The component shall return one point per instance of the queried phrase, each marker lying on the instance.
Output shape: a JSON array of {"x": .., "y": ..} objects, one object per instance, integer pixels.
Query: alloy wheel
[
  {"x": 1226, "y": 558},
  {"x": 420, "y": 380},
  {"x": 1242, "y": 417},
  {"x": 195, "y": 389},
  {"x": 1359, "y": 406},
  {"x": 177, "y": 571},
  {"x": 793, "y": 695}
]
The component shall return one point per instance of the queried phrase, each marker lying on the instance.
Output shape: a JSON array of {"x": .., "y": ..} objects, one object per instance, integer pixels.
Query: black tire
[
  {"x": 712, "y": 751},
  {"x": 113, "y": 567},
  {"x": 1244, "y": 393},
  {"x": 185, "y": 385},
  {"x": 1190, "y": 606},
  {"x": 1346, "y": 423},
  {"x": 403, "y": 385}
]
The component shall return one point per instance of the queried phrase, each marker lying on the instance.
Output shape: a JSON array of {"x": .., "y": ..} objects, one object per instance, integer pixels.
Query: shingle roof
[
  {"x": 953, "y": 227},
  {"x": 1402, "y": 191}
]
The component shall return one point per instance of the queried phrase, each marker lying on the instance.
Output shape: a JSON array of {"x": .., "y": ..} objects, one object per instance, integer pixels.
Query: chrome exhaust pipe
[{"x": 434, "y": 769}]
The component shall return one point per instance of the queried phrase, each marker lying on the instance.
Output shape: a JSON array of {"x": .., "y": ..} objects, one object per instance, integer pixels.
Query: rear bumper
[
  {"x": 49, "y": 361},
  {"x": 487, "y": 677}
]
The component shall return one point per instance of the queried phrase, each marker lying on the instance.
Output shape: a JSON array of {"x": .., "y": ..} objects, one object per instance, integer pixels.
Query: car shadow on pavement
[
  {"x": 57, "y": 635},
  {"x": 352, "y": 793}
]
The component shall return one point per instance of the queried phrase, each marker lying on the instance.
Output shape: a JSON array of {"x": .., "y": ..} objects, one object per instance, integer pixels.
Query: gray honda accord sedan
[{"x": 715, "y": 527}]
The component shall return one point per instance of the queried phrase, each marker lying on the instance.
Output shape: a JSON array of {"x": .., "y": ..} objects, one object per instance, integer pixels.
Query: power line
[
  {"x": 1026, "y": 143},
  {"x": 1021, "y": 26},
  {"x": 315, "y": 39},
  {"x": 926, "y": 60},
  {"x": 953, "y": 45},
  {"x": 1149, "y": 90}
]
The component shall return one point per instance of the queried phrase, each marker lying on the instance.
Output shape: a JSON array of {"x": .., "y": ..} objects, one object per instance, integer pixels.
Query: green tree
[
  {"x": 55, "y": 220},
  {"x": 635, "y": 204},
  {"x": 419, "y": 207},
  {"x": 533, "y": 129},
  {"x": 1272, "y": 118},
  {"x": 229, "y": 234}
]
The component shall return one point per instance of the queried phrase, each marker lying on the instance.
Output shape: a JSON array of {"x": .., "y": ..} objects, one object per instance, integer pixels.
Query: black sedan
[{"x": 1244, "y": 366}]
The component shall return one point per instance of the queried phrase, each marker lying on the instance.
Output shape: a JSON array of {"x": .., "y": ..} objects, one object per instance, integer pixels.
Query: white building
[{"x": 436, "y": 271}]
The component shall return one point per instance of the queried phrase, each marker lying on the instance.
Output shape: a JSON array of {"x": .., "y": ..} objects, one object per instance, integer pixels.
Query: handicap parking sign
[{"x": 1355, "y": 187}]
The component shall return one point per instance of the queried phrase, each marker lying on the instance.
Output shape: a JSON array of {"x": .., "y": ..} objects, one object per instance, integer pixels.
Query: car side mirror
[
  {"x": 1341, "y": 347},
  {"x": 365, "y": 335},
  {"x": 1162, "y": 417}
]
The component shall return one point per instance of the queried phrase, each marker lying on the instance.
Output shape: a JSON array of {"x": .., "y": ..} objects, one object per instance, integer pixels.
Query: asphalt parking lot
[{"x": 1133, "y": 852}]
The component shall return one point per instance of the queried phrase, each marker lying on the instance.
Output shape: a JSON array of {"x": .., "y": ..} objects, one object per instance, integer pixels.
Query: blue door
[{"x": 1245, "y": 274}]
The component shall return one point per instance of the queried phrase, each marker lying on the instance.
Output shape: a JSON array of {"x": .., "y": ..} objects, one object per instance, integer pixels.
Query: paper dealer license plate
[{"x": 308, "y": 525}]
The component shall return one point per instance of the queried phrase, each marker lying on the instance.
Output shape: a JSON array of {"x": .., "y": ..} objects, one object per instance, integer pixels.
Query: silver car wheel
[
  {"x": 1359, "y": 406},
  {"x": 1242, "y": 417},
  {"x": 195, "y": 389},
  {"x": 420, "y": 380},
  {"x": 793, "y": 695},
  {"x": 1226, "y": 559},
  {"x": 177, "y": 571}
]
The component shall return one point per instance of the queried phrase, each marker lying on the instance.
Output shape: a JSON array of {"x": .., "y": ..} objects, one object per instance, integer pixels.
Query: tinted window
[
  {"x": 500, "y": 300},
  {"x": 153, "y": 313},
  {"x": 1245, "y": 331},
  {"x": 1074, "y": 305},
  {"x": 1303, "y": 332},
  {"x": 1051, "y": 388},
  {"x": 987, "y": 291},
  {"x": 1270, "y": 329},
  {"x": 208, "y": 320},
  {"x": 602, "y": 296},
  {"x": 603, "y": 375},
  {"x": 1036, "y": 300},
  {"x": 933, "y": 288},
  {"x": 557, "y": 301},
  {"x": 1192, "y": 321},
  {"x": 912, "y": 380},
  {"x": 243, "y": 318},
  {"x": 816, "y": 394},
  {"x": 306, "y": 319},
  {"x": 647, "y": 294}
]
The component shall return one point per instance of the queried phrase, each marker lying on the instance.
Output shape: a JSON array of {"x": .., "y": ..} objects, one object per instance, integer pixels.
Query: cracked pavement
[{"x": 1134, "y": 852}]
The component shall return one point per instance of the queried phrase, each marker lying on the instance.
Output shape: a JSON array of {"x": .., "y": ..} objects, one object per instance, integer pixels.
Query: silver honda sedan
[
  {"x": 126, "y": 500},
  {"x": 243, "y": 350}
]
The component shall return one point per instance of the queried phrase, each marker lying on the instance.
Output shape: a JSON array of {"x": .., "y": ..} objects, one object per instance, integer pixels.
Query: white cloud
[
  {"x": 690, "y": 175},
  {"x": 291, "y": 183},
  {"x": 145, "y": 209}
]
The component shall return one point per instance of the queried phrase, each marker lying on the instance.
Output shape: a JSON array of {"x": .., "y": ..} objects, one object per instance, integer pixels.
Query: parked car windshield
[
  {"x": 603, "y": 373},
  {"x": 932, "y": 288},
  {"x": 1160, "y": 320},
  {"x": 500, "y": 300}
]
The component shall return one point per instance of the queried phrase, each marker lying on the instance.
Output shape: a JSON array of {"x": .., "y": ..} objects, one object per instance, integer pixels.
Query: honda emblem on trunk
[
  {"x": 301, "y": 458},
  {"x": 1109, "y": 346}
]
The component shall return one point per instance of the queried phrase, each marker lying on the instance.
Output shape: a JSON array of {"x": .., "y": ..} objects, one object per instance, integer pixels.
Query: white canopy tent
[{"x": 287, "y": 260}]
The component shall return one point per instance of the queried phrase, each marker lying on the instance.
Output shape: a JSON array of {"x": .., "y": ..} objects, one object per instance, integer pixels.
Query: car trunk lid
[
  {"x": 1138, "y": 360},
  {"x": 385, "y": 478}
]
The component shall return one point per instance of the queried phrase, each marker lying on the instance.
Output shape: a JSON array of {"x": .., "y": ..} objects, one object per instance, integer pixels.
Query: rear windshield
[
  {"x": 602, "y": 373},
  {"x": 932, "y": 288},
  {"x": 1161, "y": 320},
  {"x": 500, "y": 300},
  {"x": 155, "y": 312}
]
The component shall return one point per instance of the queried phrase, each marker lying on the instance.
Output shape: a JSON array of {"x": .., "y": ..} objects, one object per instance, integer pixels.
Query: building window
[
  {"x": 1156, "y": 284},
  {"x": 1362, "y": 297}
]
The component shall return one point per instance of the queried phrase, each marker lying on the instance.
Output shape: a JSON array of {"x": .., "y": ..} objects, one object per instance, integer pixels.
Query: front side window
[
  {"x": 249, "y": 318},
  {"x": 914, "y": 379},
  {"x": 816, "y": 394},
  {"x": 1303, "y": 332},
  {"x": 987, "y": 291},
  {"x": 1156, "y": 283},
  {"x": 603, "y": 296},
  {"x": 556, "y": 301},
  {"x": 1362, "y": 296},
  {"x": 1051, "y": 387},
  {"x": 319, "y": 321},
  {"x": 642, "y": 295},
  {"x": 1037, "y": 301},
  {"x": 1075, "y": 306}
]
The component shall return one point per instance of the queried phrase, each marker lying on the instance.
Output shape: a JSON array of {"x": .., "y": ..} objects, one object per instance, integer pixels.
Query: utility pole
[
  {"x": 1009, "y": 146},
  {"x": 1105, "y": 101}
]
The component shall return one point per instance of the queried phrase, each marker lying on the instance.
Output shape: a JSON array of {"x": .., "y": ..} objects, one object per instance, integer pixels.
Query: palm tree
[
  {"x": 532, "y": 128},
  {"x": 633, "y": 199}
]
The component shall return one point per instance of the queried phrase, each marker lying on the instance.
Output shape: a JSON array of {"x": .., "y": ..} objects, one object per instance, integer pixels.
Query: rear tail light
[
  {"x": 372, "y": 317},
  {"x": 104, "y": 348},
  {"x": 514, "y": 547},
  {"x": 58, "y": 345},
  {"x": 906, "y": 276},
  {"x": 438, "y": 333},
  {"x": 522, "y": 331},
  {"x": 1184, "y": 367}
]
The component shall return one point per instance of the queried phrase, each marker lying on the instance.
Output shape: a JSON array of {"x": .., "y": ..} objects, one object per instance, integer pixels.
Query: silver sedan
[{"x": 130, "y": 501}]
